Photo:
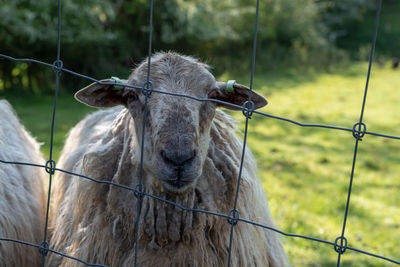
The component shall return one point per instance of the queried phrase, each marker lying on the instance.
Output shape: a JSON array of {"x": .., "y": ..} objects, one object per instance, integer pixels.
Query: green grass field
[{"x": 305, "y": 171}]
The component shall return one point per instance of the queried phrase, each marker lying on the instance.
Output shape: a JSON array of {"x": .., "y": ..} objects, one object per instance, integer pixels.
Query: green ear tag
[
  {"x": 229, "y": 86},
  {"x": 117, "y": 80}
]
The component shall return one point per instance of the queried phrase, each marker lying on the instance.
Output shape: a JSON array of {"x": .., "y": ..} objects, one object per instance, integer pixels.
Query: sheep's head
[{"x": 177, "y": 128}]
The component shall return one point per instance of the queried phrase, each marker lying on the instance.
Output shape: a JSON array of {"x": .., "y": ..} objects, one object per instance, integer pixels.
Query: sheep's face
[{"x": 177, "y": 132}]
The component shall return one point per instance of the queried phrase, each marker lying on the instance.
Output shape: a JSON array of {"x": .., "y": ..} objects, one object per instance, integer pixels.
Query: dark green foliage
[
  {"x": 28, "y": 29},
  {"x": 359, "y": 34},
  {"x": 103, "y": 37}
]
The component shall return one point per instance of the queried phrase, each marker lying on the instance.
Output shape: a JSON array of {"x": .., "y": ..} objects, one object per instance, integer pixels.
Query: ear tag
[
  {"x": 117, "y": 80},
  {"x": 229, "y": 86}
]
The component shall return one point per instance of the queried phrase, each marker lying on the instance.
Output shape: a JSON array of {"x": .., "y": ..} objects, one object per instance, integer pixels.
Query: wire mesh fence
[{"x": 359, "y": 130}]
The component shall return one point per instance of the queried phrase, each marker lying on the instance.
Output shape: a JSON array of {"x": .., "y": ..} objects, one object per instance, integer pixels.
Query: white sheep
[
  {"x": 22, "y": 194},
  {"x": 191, "y": 157}
]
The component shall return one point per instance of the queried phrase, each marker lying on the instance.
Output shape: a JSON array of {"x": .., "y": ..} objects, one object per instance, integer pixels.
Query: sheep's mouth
[
  {"x": 177, "y": 183},
  {"x": 177, "y": 186}
]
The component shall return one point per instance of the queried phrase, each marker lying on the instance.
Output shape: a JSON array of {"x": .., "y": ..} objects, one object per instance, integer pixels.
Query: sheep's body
[
  {"x": 96, "y": 222},
  {"x": 21, "y": 192}
]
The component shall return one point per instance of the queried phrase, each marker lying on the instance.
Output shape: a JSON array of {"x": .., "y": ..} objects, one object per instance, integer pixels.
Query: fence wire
[{"x": 340, "y": 245}]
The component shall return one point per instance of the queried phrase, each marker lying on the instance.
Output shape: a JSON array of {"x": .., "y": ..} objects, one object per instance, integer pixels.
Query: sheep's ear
[
  {"x": 237, "y": 94},
  {"x": 102, "y": 95}
]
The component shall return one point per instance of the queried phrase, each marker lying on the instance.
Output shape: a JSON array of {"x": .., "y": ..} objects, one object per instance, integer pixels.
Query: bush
[{"x": 100, "y": 37}]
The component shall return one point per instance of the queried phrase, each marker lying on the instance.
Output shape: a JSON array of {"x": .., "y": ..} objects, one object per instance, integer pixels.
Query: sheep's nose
[{"x": 177, "y": 160}]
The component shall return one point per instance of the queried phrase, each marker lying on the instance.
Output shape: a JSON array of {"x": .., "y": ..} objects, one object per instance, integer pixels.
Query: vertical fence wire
[
  {"x": 57, "y": 65},
  {"x": 340, "y": 249},
  {"x": 146, "y": 90},
  {"x": 359, "y": 130},
  {"x": 248, "y": 109}
]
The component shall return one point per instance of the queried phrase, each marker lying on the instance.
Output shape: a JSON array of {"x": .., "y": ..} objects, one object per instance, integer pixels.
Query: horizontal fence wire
[
  {"x": 139, "y": 88},
  {"x": 358, "y": 131}
]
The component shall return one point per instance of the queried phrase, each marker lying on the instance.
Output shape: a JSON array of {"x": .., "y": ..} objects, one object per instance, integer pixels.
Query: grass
[
  {"x": 36, "y": 115},
  {"x": 305, "y": 171}
]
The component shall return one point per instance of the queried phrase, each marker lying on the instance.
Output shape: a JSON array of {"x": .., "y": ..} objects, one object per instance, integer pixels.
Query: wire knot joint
[
  {"x": 139, "y": 190},
  {"x": 44, "y": 248},
  {"x": 343, "y": 244},
  {"x": 359, "y": 130},
  {"x": 57, "y": 66},
  {"x": 147, "y": 88},
  {"x": 233, "y": 216},
  {"x": 248, "y": 109},
  {"x": 50, "y": 167}
]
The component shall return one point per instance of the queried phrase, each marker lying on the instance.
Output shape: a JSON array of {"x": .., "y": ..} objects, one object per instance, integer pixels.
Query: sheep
[
  {"x": 191, "y": 157},
  {"x": 22, "y": 193}
]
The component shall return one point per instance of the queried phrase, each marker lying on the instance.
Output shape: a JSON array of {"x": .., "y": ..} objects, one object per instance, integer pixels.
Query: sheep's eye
[{"x": 130, "y": 96}]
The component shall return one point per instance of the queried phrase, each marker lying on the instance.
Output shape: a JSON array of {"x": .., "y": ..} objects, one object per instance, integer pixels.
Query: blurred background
[{"x": 311, "y": 65}]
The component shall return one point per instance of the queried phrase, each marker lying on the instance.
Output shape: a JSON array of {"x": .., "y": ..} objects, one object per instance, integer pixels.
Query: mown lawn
[{"x": 305, "y": 171}]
